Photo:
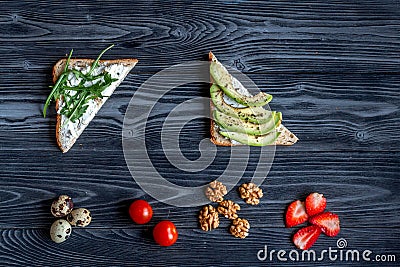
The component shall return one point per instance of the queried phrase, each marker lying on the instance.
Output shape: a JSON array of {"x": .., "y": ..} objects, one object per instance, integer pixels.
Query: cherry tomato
[
  {"x": 165, "y": 233},
  {"x": 140, "y": 211}
]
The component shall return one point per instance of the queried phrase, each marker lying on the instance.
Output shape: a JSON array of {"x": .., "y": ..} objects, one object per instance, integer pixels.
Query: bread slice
[
  {"x": 67, "y": 132},
  {"x": 285, "y": 138}
]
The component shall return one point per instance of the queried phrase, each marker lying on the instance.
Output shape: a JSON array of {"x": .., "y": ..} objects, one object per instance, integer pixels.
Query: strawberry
[
  {"x": 315, "y": 204},
  {"x": 328, "y": 221},
  {"x": 296, "y": 214},
  {"x": 306, "y": 236}
]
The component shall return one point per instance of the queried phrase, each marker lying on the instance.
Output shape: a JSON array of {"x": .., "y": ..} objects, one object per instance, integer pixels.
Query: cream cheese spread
[{"x": 71, "y": 130}]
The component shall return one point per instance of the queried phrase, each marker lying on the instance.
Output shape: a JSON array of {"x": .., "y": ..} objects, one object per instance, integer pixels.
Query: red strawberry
[
  {"x": 329, "y": 223},
  {"x": 296, "y": 214},
  {"x": 306, "y": 236},
  {"x": 315, "y": 203}
]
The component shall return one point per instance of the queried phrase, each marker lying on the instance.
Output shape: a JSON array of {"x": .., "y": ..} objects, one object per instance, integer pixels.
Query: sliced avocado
[
  {"x": 236, "y": 125},
  {"x": 252, "y": 140},
  {"x": 224, "y": 80},
  {"x": 257, "y": 115}
]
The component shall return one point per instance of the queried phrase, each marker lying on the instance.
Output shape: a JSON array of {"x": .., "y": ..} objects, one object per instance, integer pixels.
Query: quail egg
[
  {"x": 79, "y": 217},
  {"x": 62, "y": 206},
  {"x": 60, "y": 231}
]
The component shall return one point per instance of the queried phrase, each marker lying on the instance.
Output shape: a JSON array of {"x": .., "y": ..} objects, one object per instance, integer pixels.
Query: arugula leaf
[
  {"x": 76, "y": 98},
  {"x": 60, "y": 81},
  {"x": 94, "y": 65}
]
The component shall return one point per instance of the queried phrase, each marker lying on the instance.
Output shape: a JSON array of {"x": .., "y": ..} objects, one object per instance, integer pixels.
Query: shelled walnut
[
  {"x": 250, "y": 193},
  {"x": 228, "y": 208},
  {"x": 216, "y": 191},
  {"x": 208, "y": 218},
  {"x": 240, "y": 228}
]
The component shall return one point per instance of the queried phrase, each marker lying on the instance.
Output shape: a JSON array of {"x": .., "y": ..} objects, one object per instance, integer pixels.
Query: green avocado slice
[
  {"x": 224, "y": 80},
  {"x": 233, "y": 124},
  {"x": 257, "y": 115},
  {"x": 252, "y": 140}
]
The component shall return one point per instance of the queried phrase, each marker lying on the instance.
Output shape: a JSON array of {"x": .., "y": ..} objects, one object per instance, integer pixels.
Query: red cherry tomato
[
  {"x": 140, "y": 211},
  {"x": 165, "y": 233}
]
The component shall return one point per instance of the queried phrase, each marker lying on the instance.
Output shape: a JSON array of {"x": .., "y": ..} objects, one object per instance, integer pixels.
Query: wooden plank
[
  {"x": 333, "y": 68},
  {"x": 361, "y": 187},
  {"x": 327, "y": 112},
  {"x": 134, "y": 247},
  {"x": 282, "y": 37}
]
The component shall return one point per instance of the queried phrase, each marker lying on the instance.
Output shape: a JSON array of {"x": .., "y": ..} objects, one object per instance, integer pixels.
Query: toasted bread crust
[
  {"x": 286, "y": 137},
  {"x": 58, "y": 68},
  {"x": 215, "y": 137}
]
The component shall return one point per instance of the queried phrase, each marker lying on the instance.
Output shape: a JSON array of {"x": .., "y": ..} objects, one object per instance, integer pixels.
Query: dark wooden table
[{"x": 332, "y": 67}]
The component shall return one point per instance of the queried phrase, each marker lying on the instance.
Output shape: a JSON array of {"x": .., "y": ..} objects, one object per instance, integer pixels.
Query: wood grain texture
[
  {"x": 277, "y": 36},
  {"x": 327, "y": 112},
  {"x": 133, "y": 247},
  {"x": 332, "y": 67},
  {"x": 361, "y": 187}
]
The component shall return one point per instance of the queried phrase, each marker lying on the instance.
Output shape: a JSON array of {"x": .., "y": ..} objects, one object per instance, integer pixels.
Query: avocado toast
[{"x": 242, "y": 120}]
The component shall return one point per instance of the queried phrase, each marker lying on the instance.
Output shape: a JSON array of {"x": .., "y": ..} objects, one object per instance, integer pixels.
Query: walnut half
[
  {"x": 216, "y": 191},
  {"x": 228, "y": 208},
  {"x": 240, "y": 228},
  {"x": 251, "y": 193},
  {"x": 208, "y": 218}
]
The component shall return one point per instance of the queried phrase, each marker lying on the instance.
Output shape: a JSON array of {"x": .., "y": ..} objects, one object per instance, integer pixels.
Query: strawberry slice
[
  {"x": 315, "y": 203},
  {"x": 329, "y": 223},
  {"x": 296, "y": 214},
  {"x": 306, "y": 236}
]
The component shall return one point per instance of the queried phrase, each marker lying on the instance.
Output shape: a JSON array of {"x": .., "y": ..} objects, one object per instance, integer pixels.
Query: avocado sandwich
[{"x": 238, "y": 118}]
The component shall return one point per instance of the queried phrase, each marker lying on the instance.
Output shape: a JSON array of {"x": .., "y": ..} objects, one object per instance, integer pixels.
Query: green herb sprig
[{"x": 77, "y": 103}]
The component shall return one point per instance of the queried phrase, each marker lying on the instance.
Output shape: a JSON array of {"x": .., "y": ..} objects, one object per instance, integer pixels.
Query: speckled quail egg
[
  {"x": 62, "y": 206},
  {"x": 79, "y": 217},
  {"x": 60, "y": 231}
]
